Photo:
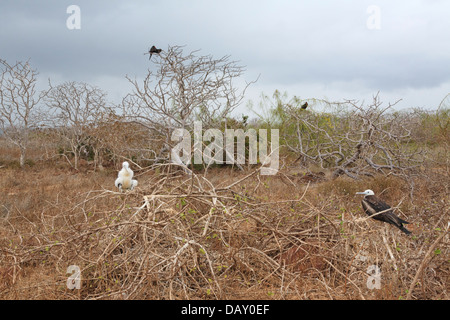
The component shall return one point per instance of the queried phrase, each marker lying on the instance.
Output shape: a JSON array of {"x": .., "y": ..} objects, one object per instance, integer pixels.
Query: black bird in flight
[
  {"x": 304, "y": 105},
  {"x": 372, "y": 205},
  {"x": 152, "y": 51}
]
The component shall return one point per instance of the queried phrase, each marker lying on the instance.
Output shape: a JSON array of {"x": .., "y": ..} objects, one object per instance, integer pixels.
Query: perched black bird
[
  {"x": 304, "y": 105},
  {"x": 372, "y": 205},
  {"x": 152, "y": 51}
]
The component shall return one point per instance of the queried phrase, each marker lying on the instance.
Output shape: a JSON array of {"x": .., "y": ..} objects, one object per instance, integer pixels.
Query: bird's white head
[
  {"x": 368, "y": 192},
  {"x": 125, "y": 165}
]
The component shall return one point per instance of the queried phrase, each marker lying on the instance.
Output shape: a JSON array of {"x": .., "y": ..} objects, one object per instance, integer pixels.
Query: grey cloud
[{"x": 289, "y": 42}]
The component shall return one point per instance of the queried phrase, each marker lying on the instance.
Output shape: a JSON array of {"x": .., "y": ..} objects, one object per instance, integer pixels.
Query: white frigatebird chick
[
  {"x": 152, "y": 51},
  {"x": 373, "y": 205},
  {"x": 125, "y": 178}
]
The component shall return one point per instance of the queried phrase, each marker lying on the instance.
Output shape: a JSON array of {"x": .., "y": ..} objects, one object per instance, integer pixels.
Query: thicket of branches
[
  {"x": 188, "y": 237},
  {"x": 181, "y": 236},
  {"x": 353, "y": 138},
  {"x": 350, "y": 138},
  {"x": 183, "y": 88},
  {"x": 361, "y": 140}
]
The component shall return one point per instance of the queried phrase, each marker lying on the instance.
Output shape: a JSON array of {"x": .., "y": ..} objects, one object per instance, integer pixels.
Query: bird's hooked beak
[{"x": 367, "y": 192}]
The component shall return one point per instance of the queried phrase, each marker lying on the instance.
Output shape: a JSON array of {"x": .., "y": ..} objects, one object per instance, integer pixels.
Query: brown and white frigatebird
[{"x": 381, "y": 211}]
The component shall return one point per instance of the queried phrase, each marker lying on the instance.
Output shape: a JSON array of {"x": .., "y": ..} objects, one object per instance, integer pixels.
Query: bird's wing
[
  {"x": 393, "y": 219},
  {"x": 377, "y": 204},
  {"x": 118, "y": 182},
  {"x": 368, "y": 209},
  {"x": 373, "y": 206},
  {"x": 387, "y": 216}
]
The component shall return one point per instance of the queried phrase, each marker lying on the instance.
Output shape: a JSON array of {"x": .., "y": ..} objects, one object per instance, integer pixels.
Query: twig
[{"x": 425, "y": 261}]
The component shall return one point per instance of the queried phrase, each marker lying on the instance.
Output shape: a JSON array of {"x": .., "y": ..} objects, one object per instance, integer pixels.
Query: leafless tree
[
  {"x": 184, "y": 88},
  {"x": 76, "y": 109},
  {"x": 19, "y": 102},
  {"x": 355, "y": 140}
]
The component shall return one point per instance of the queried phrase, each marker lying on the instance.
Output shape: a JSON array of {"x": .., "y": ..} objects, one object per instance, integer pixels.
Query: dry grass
[{"x": 229, "y": 235}]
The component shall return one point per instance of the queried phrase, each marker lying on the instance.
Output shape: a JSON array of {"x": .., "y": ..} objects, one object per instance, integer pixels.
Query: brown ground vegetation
[{"x": 227, "y": 235}]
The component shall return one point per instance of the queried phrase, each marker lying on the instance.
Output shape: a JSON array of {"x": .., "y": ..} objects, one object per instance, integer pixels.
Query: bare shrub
[
  {"x": 19, "y": 102},
  {"x": 355, "y": 140},
  {"x": 115, "y": 139},
  {"x": 189, "y": 237},
  {"x": 183, "y": 88},
  {"x": 76, "y": 110}
]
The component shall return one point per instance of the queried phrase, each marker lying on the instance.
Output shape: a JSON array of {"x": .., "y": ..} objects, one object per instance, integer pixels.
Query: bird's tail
[{"x": 405, "y": 230}]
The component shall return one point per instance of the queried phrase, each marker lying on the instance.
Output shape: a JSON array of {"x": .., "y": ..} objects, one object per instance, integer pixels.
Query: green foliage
[
  {"x": 434, "y": 127},
  {"x": 350, "y": 138}
]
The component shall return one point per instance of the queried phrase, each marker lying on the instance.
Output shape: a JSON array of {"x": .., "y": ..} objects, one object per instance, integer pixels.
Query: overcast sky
[{"x": 346, "y": 49}]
